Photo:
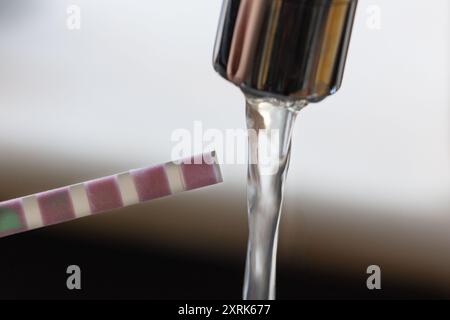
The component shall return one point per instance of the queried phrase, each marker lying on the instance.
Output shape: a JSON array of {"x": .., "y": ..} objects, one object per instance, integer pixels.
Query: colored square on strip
[
  {"x": 56, "y": 206},
  {"x": 103, "y": 194},
  {"x": 151, "y": 182},
  {"x": 199, "y": 172},
  {"x": 12, "y": 218}
]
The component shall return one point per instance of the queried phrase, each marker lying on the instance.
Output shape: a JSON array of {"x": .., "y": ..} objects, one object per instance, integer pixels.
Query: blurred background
[{"x": 369, "y": 179}]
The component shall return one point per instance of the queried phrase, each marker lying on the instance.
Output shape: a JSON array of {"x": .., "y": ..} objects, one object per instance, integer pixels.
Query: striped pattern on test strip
[{"x": 108, "y": 193}]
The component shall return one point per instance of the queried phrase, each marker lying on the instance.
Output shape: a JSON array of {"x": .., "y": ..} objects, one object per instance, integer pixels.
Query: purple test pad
[
  {"x": 200, "y": 171},
  {"x": 151, "y": 182},
  {"x": 56, "y": 206},
  {"x": 103, "y": 194}
]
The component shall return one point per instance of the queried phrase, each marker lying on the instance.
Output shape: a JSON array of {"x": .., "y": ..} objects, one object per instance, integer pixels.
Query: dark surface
[{"x": 33, "y": 265}]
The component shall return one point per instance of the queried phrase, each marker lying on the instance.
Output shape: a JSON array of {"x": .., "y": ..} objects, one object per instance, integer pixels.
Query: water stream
[{"x": 269, "y": 122}]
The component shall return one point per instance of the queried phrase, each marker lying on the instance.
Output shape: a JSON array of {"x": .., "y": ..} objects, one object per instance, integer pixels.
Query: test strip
[{"x": 107, "y": 193}]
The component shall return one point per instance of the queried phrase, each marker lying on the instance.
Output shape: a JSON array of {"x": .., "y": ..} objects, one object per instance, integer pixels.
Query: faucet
[{"x": 283, "y": 54}]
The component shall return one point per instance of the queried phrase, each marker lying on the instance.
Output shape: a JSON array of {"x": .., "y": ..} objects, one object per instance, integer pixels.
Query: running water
[
  {"x": 270, "y": 122},
  {"x": 283, "y": 53}
]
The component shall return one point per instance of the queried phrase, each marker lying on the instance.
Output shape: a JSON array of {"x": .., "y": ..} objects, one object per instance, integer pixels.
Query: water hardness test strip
[{"x": 108, "y": 193}]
